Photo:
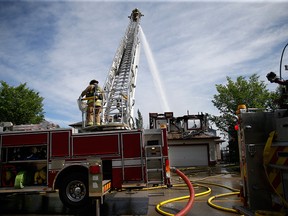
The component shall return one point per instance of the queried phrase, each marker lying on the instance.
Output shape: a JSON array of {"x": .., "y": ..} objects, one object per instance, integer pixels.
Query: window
[{"x": 194, "y": 124}]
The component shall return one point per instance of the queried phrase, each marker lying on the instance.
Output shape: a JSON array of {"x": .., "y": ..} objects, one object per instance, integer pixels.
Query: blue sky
[{"x": 57, "y": 47}]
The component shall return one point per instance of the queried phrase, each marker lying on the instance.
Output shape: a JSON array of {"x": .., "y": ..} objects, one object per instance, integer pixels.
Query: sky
[{"x": 57, "y": 47}]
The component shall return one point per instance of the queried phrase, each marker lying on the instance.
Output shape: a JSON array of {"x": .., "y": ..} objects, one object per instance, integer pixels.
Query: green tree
[
  {"x": 20, "y": 105},
  {"x": 252, "y": 92},
  {"x": 139, "y": 120}
]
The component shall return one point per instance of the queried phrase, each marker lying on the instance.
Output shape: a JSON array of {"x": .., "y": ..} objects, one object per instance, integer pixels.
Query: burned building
[{"x": 190, "y": 139}]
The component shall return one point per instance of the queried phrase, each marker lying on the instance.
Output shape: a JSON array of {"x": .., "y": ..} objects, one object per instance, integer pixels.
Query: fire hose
[
  {"x": 190, "y": 202},
  {"x": 221, "y": 207},
  {"x": 208, "y": 191},
  {"x": 158, "y": 207}
]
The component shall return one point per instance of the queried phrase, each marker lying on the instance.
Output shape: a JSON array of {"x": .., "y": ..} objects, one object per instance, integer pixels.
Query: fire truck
[
  {"x": 263, "y": 150},
  {"x": 82, "y": 165},
  {"x": 84, "y": 162}
]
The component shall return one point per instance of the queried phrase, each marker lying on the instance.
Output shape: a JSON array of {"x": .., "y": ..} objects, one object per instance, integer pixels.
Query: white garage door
[{"x": 183, "y": 156}]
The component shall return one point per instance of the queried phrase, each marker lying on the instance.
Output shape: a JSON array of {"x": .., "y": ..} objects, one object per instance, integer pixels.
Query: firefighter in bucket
[{"x": 93, "y": 95}]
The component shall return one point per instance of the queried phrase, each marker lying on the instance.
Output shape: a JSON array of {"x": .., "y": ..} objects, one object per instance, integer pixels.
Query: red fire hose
[
  {"x": 191, "y": 197},
  {"x": 190, "y": 202}
]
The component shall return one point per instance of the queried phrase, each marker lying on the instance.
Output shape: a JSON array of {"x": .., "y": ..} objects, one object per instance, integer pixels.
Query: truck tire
[{"x": 74, "y": 191}]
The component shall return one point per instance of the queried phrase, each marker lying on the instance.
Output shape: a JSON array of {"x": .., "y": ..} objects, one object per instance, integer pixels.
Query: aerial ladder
[{"x": 120, "y": 84}]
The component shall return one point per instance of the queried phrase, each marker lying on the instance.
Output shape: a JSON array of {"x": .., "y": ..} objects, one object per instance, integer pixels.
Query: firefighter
[
  {"x": 283, "y": 100},
  {"x": 272, "y": 77},
  {"x": 94, "y": 95},
  {"x": 135, "y": 14}
]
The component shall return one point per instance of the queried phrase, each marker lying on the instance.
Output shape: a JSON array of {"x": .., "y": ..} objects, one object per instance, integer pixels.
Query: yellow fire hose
[
  {"x": 266, "y": 154},
  {"x": 208, "y": 191},
  {"x": 220, "y": 185},
  {"x": 158, "y": 207},
  {"x": 221, "y": 207}
]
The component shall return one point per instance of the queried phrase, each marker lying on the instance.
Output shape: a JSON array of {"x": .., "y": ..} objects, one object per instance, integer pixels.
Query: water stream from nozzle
[{"x": 154, "y": 71}]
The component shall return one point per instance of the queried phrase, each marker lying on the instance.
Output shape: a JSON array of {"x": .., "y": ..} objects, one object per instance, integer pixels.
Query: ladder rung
[
  {"x": 133, "y": 185},
  {"x": 154, "y": 158},
  {"x": 153, "y": 146},
  {"x": 154, "y": 182},
  {"x": 154, "y": 169}
]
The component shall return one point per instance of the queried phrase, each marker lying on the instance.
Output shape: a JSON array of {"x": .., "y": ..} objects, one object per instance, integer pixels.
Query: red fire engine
[
  {"x": 82, "y": 164},
  {"x": 98, "y": 158}
]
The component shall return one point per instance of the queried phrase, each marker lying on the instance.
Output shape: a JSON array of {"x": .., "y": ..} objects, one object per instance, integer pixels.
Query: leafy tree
[
  {"x": 20, "y": 105},
  {"x": 139, "y": 120},
  {"x": 252, "y": 92}
]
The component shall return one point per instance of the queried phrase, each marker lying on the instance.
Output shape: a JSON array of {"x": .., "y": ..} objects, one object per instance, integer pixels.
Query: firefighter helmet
[{"x": 93, "y": 82}]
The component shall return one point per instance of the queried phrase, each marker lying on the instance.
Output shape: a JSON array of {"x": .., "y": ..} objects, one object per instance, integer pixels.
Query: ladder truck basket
[{"x": 82, "y": 105}]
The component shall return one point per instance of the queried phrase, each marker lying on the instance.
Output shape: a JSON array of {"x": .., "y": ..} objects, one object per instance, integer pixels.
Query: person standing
[{"x": 94, "y": 96}]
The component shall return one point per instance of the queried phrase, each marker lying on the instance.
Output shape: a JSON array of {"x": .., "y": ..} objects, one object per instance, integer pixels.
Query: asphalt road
[{"x": 140, "y": 202}]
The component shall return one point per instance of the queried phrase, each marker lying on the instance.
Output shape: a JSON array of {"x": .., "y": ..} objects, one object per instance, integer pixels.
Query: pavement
[{"x": 218, "y": 179}]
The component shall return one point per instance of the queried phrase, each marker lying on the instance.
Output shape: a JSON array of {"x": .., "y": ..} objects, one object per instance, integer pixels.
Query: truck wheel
[{"x": 73, "y": 191}]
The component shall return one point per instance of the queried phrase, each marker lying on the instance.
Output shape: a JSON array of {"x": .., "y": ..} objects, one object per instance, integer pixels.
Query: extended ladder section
[
  {"x": 119, "y": 87},
  {"x": 155, "y": 164}
]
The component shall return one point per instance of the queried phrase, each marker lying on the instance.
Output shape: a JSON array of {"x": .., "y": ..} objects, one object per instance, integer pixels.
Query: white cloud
[{"x": 58, "y": 47}]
